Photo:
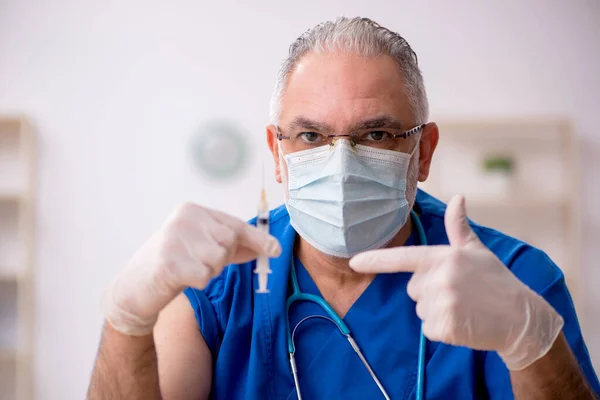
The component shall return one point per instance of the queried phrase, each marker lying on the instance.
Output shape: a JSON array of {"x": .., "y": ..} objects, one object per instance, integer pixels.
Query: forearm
[
  {"x": 554, "y": 376},
  {"x": 126, "y": 368}
]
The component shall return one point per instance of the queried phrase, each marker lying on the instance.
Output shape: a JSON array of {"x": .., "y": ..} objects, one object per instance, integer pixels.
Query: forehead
[{"x": 341, "y": 90}]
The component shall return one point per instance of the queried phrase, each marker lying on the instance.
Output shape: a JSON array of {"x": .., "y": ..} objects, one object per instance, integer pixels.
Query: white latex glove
[
  {"x": 192, "y": 247},
  {"x": 467, "y": 297}
]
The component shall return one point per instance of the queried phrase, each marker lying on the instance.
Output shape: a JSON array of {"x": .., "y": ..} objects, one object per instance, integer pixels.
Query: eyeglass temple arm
[{"x": 410, "y": 132}]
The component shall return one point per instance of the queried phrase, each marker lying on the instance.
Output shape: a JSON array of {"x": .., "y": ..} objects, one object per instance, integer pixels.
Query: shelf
[
  {"x": 17, "y": 188},
  {"x": 9, "y": 274},
  {"x": 524, "y": 203},
  {"x": 6, "y": 197},
  {"x": 8, "y": 355},
  {"x": 538, "y": 130},
  {"x": 12, "y": 122},
  {"x": 502, "y": 202}
]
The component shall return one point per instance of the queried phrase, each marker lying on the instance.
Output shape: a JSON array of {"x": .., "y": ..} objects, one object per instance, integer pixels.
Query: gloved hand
[
  {"x": 192, "y": 246},
  {"x": 467, "y": 297}
]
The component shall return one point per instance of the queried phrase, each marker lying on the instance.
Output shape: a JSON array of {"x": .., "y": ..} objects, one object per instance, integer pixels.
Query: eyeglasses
[{"x": 381, "y": 138}]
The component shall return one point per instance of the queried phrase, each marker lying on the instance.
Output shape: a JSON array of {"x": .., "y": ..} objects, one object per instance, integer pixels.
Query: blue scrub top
[{"x": 246, "y": 333}]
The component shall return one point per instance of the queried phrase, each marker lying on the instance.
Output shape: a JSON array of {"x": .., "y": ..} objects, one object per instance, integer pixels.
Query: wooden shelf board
[
  {"x": 518, "y": 203},
  {"x": 549, "y": 132},
  {"x": 501, "y": 122},
  {"x": 11, "y": 197},
  {"x": 12, "y": 121},
  {"x": 7, "y": 275},
  {"x": 8, "y": 355}
]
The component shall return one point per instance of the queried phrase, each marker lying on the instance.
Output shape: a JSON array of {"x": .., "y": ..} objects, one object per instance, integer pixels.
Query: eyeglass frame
[{"x": 403, "y": 135}]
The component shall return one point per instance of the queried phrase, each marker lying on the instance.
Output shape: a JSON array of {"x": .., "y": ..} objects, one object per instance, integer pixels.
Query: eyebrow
[
  {"x": 384, "y": 121},
  {"x": 305, "y": 123}
]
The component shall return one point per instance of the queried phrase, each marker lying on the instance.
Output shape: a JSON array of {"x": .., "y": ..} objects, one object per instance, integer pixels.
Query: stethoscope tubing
[{"x": 298, "y": 295}]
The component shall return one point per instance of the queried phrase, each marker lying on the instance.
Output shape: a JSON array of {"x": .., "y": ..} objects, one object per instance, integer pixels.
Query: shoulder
[{"x": 530, "y": 264}]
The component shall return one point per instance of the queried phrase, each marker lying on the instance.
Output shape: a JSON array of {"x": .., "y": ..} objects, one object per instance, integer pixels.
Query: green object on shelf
[{"x": 498, "y": 163}]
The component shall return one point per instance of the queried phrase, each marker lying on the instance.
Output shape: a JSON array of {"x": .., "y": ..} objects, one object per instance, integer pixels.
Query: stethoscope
[{"x": 297, "y": 295}]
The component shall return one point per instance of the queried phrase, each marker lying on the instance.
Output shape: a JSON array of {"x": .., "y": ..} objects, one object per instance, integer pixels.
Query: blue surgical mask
[{"x": 345, "y": 199}]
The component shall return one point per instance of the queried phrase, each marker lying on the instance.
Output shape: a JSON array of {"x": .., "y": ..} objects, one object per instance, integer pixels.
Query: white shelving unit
[
  {"x": 17, "y": 155},
  {"x": 537, "y": 202}
]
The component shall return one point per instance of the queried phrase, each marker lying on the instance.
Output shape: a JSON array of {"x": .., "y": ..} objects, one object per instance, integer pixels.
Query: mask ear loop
[
  {"x": 284, "y": 179},
  {"x": 414, "y": 150}
]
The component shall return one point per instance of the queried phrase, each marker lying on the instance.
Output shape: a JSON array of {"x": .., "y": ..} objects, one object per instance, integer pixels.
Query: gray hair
[{"x": 360, "y": 36}]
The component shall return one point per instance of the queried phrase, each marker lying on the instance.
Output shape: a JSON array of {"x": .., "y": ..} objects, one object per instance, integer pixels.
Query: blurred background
[{"x": 109, "y": 111}]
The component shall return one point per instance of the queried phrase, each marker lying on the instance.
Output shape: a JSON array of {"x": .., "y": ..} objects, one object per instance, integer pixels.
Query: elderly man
[{"x": 377, "y": 289}]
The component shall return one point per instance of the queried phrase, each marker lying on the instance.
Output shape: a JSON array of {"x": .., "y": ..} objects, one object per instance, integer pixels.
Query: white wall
[{"x": 116, "y": 88}]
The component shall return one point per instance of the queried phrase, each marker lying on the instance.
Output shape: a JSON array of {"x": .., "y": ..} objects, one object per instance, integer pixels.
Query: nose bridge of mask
[
  {"x": 339, "y": 162},
  {"x": 341, "y": 145},
  {"x": 335, "y": 163},
  {"x": 330, "y": 162},
  {"x": 354, "y": 164},
  {"x": 341, "y": 141}
]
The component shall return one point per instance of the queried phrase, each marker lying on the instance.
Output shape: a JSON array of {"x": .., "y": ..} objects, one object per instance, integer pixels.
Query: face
[{"x": 338, "y": 94}]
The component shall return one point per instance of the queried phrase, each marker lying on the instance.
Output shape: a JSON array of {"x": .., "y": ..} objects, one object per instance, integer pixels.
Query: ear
[
  {"x": 427, "y": 145},
  {"x": 272, "y": 142}
]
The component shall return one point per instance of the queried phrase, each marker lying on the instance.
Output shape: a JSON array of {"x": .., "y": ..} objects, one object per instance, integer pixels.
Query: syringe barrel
[
  {"x": 262, "y": 222},
  {"x": 262, "y": 265}
]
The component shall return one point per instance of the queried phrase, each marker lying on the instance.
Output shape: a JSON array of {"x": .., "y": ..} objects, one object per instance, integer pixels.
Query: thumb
[{"x": 457, "y": 226}]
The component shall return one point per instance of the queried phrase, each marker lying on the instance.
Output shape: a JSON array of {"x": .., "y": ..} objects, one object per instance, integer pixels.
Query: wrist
[
  {"x": 541, "y": 326},
  {"x": 120, "y": 318},
  {"x": 134, "y": 344}
]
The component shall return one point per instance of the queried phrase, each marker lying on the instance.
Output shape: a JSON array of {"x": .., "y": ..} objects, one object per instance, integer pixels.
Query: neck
[{"x": 334, "y": 270}]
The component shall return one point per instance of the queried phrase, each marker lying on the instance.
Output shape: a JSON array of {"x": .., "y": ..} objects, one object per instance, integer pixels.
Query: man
[{"x": 350, "y": 140}]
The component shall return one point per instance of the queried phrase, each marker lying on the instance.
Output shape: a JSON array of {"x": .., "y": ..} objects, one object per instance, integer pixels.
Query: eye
[
  {"x": 310, "y": 137},
  {"x": 378, "y": 136}
]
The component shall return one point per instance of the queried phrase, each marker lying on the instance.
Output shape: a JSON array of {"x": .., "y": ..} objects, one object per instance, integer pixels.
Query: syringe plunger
[{"x": 262, "y": 263}]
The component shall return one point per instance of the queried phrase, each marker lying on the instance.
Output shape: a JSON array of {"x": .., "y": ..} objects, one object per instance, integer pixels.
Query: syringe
[{"x": 262, "y": 262}]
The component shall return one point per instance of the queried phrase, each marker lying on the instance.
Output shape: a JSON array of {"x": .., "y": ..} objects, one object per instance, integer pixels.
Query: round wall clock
[{"x": 219, "y": 149}]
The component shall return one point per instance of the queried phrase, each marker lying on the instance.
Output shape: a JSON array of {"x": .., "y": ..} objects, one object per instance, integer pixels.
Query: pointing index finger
[{"x": 399, "y": 259}]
